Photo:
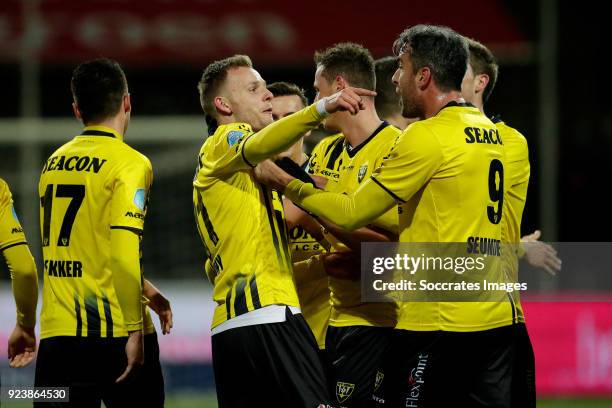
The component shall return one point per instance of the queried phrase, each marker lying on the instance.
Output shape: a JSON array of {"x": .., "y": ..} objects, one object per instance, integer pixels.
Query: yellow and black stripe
[
  {"x": 243, "y": 297},
  {"x": 277, "y": 228},
  {"x": 92, "y": 312}
]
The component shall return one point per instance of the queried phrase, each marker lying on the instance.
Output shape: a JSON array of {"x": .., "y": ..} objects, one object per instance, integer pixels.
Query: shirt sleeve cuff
[
  {"x": 130, "y": 327},
  {"x": 321, "y": 108}
]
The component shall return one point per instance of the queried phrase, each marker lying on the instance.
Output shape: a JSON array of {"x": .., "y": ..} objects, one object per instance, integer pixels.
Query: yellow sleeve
[
  {"x": 308, "y": 270},
  {"x": 411, "y": 162},
  {"x": 127, "y": 278},
  {"x": 234, "y": 147},
  {"x": 24, "y": 281},
  {"x": 280, "y": 135},
  {"x": 130, "y": 194},
  {"x": 222, "y": 153},
  {"x": 346, "y": 211},
  {"x": 11, "y": 232}
]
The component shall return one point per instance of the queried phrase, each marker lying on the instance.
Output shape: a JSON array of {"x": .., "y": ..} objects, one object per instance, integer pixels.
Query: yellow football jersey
[
  {"x": 447, "y": 174},
  {"x": 346, "y": 168},
  {"x": 313, "y": 291},
  {"x": 87, "y": 187},
  {"x": 11, "y": 233},
  {"x": 310, "y": 280},
  {"x": 242, "y": 226},
  {"x": 517, "y": 172}
]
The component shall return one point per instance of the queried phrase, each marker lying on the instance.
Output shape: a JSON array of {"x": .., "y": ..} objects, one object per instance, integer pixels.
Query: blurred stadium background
[{"x": 551, "y": 87}]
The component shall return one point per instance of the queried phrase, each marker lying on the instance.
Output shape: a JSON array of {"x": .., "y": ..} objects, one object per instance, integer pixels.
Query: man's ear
[
  {"x": 339, "y": 83},
  {"x": 76, "y": 111},
  {"x": 222, "y": 105},
  {"x": 482, "y": 80},
  {"x": 423, "y": 78},
  {"x": 127, "y": 103}
]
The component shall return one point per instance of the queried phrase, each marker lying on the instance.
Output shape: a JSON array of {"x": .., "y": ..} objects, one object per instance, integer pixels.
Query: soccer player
[
  {"x": 448, "y": 187},
  {"x": 14, "y": 248},
  {"x": 306, "y": 240},
  {"x": 478, "y": 84},
  {"x": 93, "y": 196},
  {"x": 358, "y": 332},
  {"x": 388, "y": 102},
  {"x": 258, "y": 332}
]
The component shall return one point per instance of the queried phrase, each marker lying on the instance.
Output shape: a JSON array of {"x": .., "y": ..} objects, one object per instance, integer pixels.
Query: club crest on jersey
[
  {"x": 344, "y": 391},
  {"x": 379, "y": 379},
  {"x": 139, "y": 198},
  {"x": 234, "y": 137},
  {"x": 362, "y": 172}
]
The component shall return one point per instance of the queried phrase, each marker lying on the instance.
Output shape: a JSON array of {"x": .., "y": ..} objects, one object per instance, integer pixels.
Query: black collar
[
  {"x": 91, "y": 132},
  {"x": 496, "y": 118},
  {"x": 352, "y": 152},
  {"x": 455, "y": 103}
]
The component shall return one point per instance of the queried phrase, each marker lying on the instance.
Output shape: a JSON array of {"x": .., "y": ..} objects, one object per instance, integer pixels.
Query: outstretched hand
[{"x": 540, "y": 254}]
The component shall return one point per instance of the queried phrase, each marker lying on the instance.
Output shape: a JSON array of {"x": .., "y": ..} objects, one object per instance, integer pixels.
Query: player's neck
[
  {"x": 400, "y": 121},
  {"x": 297, "y": 153},
  {"x": 480, "y": 105},
  {"x": 299, "y": 157},
  {"x": 358, "y": 128},
  {"x": 437, "y": 100},
  {"x": 116, "y": 123}
]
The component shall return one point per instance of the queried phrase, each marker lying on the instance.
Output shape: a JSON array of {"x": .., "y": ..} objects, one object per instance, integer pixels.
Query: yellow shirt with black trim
[
  {"x": 242, "y": 226},
  {"x": 310, "y": 280},
  {"x": 517, "y": 172},
  {"x": 446, "y": 173},
  {"x": 346, "y": 168},
  {"x": 11, "y": 232},
  {"x": 88, "y": 186}
]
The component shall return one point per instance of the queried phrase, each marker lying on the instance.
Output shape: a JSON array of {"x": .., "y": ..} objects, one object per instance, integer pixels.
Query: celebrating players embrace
[{"x": 282, "y": 233}]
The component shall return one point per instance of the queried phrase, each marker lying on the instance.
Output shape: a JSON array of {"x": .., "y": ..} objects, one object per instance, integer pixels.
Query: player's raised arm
[
  {"x": 337, "y": 208},
  {"x": 283, "y": 133},
  {"x": 411, "y": 162}
]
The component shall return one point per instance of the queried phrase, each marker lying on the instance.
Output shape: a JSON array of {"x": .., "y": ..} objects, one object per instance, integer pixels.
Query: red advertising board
[
  {"x": 193, "y": 31},
  {"x": 573, "y": 347}
]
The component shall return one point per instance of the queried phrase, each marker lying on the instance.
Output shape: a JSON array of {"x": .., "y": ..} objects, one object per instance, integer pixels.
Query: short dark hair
[
  {"x": 288, "y": 89},
  {"x": 440, "y": 48},
  {"x": 483, "y": 61},
  {"x": 98, "y": 87},
  {"x": 213, "y": 77},
  {"x": 388, "y": 102},
  {"x": 352, "y": 61}
]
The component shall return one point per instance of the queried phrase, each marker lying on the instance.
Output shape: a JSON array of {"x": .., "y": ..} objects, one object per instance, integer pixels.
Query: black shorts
[
  {"x": 269, "y": 365},
  {"x": 448, "y": 369},
  {"x": 355, "y": 355},
  {"x": 523, "y": 378},
  {"x": 90, "y": 366}
]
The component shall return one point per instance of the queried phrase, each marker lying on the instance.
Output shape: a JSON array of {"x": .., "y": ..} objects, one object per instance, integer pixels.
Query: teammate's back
[
  {"x": 93, "y": 194},
  {"x": 89, "y": 185}
]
